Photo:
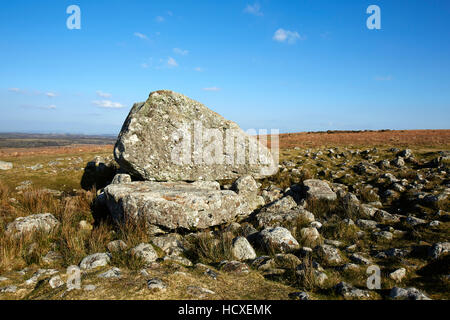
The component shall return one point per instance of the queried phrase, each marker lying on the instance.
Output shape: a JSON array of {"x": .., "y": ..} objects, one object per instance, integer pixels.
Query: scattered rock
[
  {"x": 348, "y": 291},
  {"x": 111, "y": 273},
  {"x": 299, "y": 296},
  {"x": 95, "y": 260},
  {"x": 55, "y": 282},
  {"x": 319, "y": 189},
  {"x": 5, "y": 165},
  {"x": 121, "y": 178},
  {"x": 116, "y": 246},
  {"x": 329, "y": 254},
  {"x": 398, "y": 275},
  {"x": 45, "y": 222},
  {"x": 242, "y": 249},
  {"x": 439, "y": 249},
  {"x": 146, "y": 252},
  {"x": 407, "y": 294},
  {"x": 279, "y": 239},
  {"x": 156, "y": 284}
]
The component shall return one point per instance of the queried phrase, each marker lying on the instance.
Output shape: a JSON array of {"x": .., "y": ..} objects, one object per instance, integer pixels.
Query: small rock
[
  {"x": 299, "y": 296},
  {"x": 156, "y": 284},
  {"x": 121, "y": 178},
  {"x": 45, "y": 222},
  {"x": 116, "y": 246},
  {"x": 242, "y": 249},
  {"x": 347, "y": 291},
  {"x": 329, "y": 254},
  {"x": 55, "y": 282},
  {"x": 8, "y": 289},
  {"x": 278, "y": 238},
  {"x": 199, "y": 291},
  {"x": 146, "y": 252},
  {"x": 398, "y": 275},
  {"x": 439, "y": 249},
  {"x": 111, "y": 273},
  {"x": 407, "y": 294},
  {"x": 5, "y": 165},
  {"x": 234, "y": 266},
  {"x": 95, "y": 260}
]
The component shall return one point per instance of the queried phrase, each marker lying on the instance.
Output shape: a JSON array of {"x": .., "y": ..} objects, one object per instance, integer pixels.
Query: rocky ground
[{"x": 322, "y": 220}]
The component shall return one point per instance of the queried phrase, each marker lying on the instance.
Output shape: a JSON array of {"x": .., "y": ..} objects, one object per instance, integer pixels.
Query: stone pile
[{"x": 171, "y": 151}]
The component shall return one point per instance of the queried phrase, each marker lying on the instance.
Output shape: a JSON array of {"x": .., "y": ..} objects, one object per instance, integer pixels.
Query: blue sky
[{"x": 304, "y": 65}]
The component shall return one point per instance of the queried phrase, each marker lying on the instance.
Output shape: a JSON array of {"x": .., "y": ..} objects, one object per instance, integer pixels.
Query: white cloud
[
  {"x": 103, "y": 94},
  {"x": 180, "y": 51},
  {"x": 107, "y": 104},
  {"x": 14, "y": 90},
  {"x": 387, "y": 78},
  {"x": 212, "y": 89},
  {"x": 144, "y": 65},
  {"x": 254, "y": 9},
  {"x": 171, "y": 62},
  {"x": 50, "y": 94},
  {"x": 290, "y": 37},
  {"x": 50, "y": 107},
  {"x": 140, "y": 35},
  {"x": 198, "y": 69},
  {"x": 159, "y": 19}
]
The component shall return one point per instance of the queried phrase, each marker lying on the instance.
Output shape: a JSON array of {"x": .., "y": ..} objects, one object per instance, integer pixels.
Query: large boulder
[
  {"x": 171, "y": 137},
  {"x": 175, "y": 205}
]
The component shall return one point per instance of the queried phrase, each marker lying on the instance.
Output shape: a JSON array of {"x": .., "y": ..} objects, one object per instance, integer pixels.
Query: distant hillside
[{"x": 33, "y": 140}]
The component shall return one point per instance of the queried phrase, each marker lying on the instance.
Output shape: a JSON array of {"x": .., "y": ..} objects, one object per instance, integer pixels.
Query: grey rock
[
  {"x": 348, "y": 291},
  {"x": 40, "y": 273},
  {"x": 145, "y": 252},
  {"x": 279, "y": 239},
  {"x": 45, "y": 222},
  {"x": 116, "y": 246},
  {"x": 55, "y": 282},
  {"x": 155, "y": 132},
  {"x": 8, "y": 289},
  {"x": 358, "y": 258},
  {"x": 95, "y": 260},
  {"x": 111, "y": 273},
  {"x": 329, "y": 254},
  {"x": 156, "y": 284},
  {"x": 171, "y": 244},
  {"x": 407, "y": 294},
  {"x": 178, "y": 259},
  {"x": 234, "y": 267},
  {"x": 299, "y": 296},
  {"x": 121, "y": 178},
  {"x": 439, "y": 249},
  {"x": 270, "y": 219},
  {"x": 398, "y": 274},
  {"x": 199, "y": 292},
  {"x": 242, "y": 249},
  {"x": 89, "y": 287},
  {"x": 319, "y": 189},
  {"x": 175, "y": 205},
  {"x": 5, "y": 165}
]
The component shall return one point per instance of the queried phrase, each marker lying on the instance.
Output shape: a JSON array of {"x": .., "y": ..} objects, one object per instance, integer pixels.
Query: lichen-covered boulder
[
  {"x": 175, "y": 205},
  {"x": 171, "y": 137},
  {"x": 44, "y": 222}
]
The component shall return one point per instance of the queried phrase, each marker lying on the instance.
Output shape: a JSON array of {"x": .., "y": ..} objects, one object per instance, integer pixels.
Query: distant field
[
  {"x": 394, "y": 138},
  {"x": 24, "y": 140}
]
